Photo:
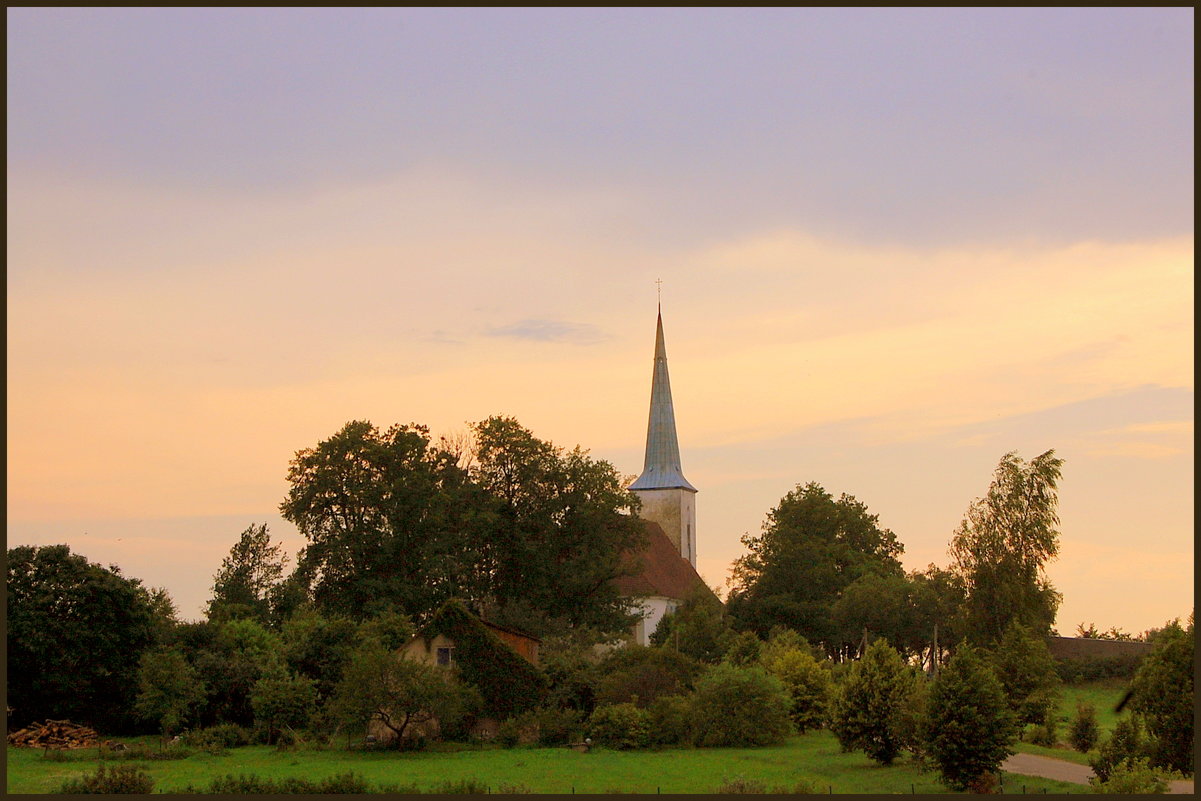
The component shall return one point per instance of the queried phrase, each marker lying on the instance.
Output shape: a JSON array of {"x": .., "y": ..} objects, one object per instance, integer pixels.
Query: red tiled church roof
[{"x": 662, "y": 571}]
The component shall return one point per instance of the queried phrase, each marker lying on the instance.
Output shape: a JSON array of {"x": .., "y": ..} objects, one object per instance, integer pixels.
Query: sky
[{"x": 895, "y": 244}]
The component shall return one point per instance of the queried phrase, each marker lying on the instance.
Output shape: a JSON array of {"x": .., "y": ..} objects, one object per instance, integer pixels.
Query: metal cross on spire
[{"x": 659, "y": 290}]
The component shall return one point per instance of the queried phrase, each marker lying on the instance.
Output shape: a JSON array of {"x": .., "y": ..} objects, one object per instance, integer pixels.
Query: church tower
[{"x": 667, "y": 497}]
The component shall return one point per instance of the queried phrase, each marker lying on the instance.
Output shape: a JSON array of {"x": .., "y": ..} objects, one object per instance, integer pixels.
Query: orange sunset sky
[{"x": 894, "y": 245}]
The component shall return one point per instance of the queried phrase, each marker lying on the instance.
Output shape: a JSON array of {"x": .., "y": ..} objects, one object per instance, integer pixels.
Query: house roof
[{"x": 661, "y": 569}]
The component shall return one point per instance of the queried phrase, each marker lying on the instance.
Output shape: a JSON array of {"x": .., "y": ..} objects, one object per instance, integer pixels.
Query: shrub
[
  {"x": 967, "y": 727},
  {"x": 1027, "y": 673},
  {"x": 740, "y": 706},
  {"x": 744, "y": 649},
  {"x": 1083, "y": 730},
  {"x": 1130, "y": 777},
  {"x": 867, "y": 711},
  {"x": 740, "y": 786},
  {"x": 808, "y": 683},
  {"x": 225, "y": 735},
  {"x": 1124, "y": 742},
  {"x": 620, "y": 726},
  {"x": 670, "y": 720},
  {"x": 115, "y": 779},
  {"x": 508, "y": 733},
  {"x": 638, "y": 675},
  {"x": 342, "y": 783},
  {"x": 556, "y": 726},
  {"x": 1046, "y": 733},
  {"x": 1163, "y": 695}
]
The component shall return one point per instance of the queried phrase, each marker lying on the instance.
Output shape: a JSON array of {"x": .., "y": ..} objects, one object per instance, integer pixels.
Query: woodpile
[{"x": 56, "y": 734}]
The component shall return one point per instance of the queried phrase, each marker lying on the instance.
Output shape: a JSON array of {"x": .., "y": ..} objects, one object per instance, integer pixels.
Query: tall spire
[{"x": 661, "y": 468}]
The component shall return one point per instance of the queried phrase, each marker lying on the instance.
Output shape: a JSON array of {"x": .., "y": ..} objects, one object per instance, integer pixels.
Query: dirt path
[{"x": 1048, "y": 768}]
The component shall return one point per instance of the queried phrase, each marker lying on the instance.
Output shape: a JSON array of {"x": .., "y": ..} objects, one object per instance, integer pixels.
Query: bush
[
  {"x": 556, "y": 726},
  {"x": 226, "y": 735},
  {"x": 1074, "y": 671},
  {"x": 867, "y": 711},
  {"x": 1124, "y": 742},
  {"x": 638, "y": 675},
  {"x": 1163, "y": 695},
  {"x": 968, "y": 726},
  {"x": 508, "y": 733},
  {"x": 1130, "y": 777},
  {"x": 342, "y": 783},
  {"x": 115, "y": 779},
  {"x": 808, "y": 683},
  {"x": 670, "y": 720},
  {"x": 1083, "y": 730},
  {"x": 742, "y": 786},
  {"x": 740, "y": 706},
  {"x": 1027, "y": 673},
  {"x": 1046, "y": 733},
  {"x": 620, "y": 726}
]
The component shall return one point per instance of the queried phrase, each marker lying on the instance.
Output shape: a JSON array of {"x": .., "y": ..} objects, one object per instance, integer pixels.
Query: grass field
[
  {"x": 1104, "y": 695},
  {"x": 814, "y": 758}
]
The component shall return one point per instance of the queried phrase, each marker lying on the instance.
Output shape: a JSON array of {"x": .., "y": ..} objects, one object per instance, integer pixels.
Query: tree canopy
[
  {"x": 522, "y": 530},
  {"x": 76, "y": 631},
  {"x": 1003, "y": 545},
  {"x": 812, "y": 547},
  {"x": 244, "y": 584}
]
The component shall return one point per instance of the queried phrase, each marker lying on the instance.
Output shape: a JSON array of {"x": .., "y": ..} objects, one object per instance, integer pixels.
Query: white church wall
[{"x": 654, "y": 609}]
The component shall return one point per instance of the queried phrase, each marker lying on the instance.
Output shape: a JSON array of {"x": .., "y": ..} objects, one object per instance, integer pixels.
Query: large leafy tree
[
  {"x": 812, "y": 547},
  {"x": 248, "y": 576},
  {"x": 1003, "y": 545},
  {"x": 389, "y": 519},
  {"x": 1163, "y": 695},
  {"x": 559, "y": 524},
  {"x": 76, "y": 631}
]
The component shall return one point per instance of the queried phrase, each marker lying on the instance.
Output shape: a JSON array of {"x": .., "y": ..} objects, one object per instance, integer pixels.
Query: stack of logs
[{"x": 56, "y": 734}]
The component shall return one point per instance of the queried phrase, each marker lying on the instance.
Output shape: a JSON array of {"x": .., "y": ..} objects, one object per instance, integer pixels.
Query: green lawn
[{"x": 814, "y": 758}]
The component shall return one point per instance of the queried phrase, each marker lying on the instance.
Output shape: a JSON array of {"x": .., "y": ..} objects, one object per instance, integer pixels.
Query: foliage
[
  {"x": 1046, "y": 733},
  {"x": 283, "y": 700},
  {"x": 1027, "y": 673},
  {"x": 740, "y": 706},
  {"x": 243, "y": 585},
  {"x": 1074, "y": 671},
  {"x": 508, "y": 684},
  {"x": 168, "y": 688},
  {"x": 1163, "y": 695},
  {"x": 698, "y": 627},
  {"x": 318, "y": 647},
  {"x": 508, "y": 733},
  {"x": 938, "y": 598},
  {"x": 968, "y": 728},
  {"x": 670, "y": 720},
  {"x": 76, "y": 632},
  {"x": 232, "y": 656},
  {"x": 1124, "y": 742},
  {"x": 125, "y": 779},
  {"x": 556, "y": 726},
  {"x": 1132, "y": 776},
  {"x": 342, "y": 783},
  {"x": 530, "y": 532},
  {"x": 812, "y": 547},
  {"x": 389, "y": 519},
  {"x": 558, "y": 526},
  {"x": 739, "y": 785},
  {"x": 744, "y": 649},
  {"x": 1113, "y": 633},
  {"x": 620, "y": 726},
  {"x": 569, "y": 663},
  {"x": 379, "y": 685},
  {"x": 225, "y": 735},
  {"x": 638, "y": 675},
  {"x": 1003, "y": 545},
  {"x": 882, "y": 606},
  {"x": 1083, "y": 730},
  {"x": 808, "y": 682},
  {"x": 868, "y": 707}
]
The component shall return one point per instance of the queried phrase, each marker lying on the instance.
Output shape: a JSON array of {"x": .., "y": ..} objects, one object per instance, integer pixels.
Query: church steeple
[{"x": 661, "y": 466}]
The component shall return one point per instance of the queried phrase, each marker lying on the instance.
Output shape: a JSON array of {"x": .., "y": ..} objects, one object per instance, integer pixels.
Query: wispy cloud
[{"x": 550, "y": 331}]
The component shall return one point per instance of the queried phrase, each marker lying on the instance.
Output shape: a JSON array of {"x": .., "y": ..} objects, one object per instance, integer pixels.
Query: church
[{"x": 666, "y": 572}]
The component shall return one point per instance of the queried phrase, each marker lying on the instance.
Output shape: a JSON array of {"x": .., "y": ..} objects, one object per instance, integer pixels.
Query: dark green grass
[{"x": 813, "y": 758}]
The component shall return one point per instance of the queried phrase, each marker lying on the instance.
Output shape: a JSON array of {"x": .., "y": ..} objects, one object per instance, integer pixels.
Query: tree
[
  {"x": 812, "y": 547},
  {"x": 318, "y": 647},
  {"x": 1027, "y": 673},
  {"x": 389, "y": 522},
  {"x": 232, "y": 657},
  {"x": 881, "y": 605},
  {"x": 808, "y": 682},
  {"x": 1003, "y": 545},
  {"x": 739, "y": 706},
  {"x": 379, "y": 685},
  {"x": 76, "y": 632},
  {"x": 968, "y": 728},
  {"x": 560, "y": 525},
  {"x": 1163, "y": 696},
  {"x": 283, "y": 699},
  {"x": 698, "y": 627},
  {"x": 868, "y": 709},
  {"x": 639, "y": 675},
  {"x": 243, "y": 586},
  {"x": 168, "y": 688}
]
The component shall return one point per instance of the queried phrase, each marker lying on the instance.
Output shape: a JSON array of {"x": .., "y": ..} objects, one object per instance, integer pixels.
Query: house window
[{"x": 445, "y": 656}]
